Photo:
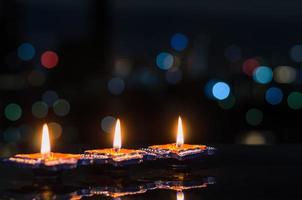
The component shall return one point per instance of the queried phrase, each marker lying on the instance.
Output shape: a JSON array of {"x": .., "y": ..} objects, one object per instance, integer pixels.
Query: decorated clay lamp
[
  {"x": 117, "y": 155},
  {"x": 46, "y": 160},
  {"x": 178, "y": 150}
]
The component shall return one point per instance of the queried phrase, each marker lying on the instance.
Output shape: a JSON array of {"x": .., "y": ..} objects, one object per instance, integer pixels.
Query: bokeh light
[
  {"x": 254, "y": 117},
  {"x": 116, "y": 86},
  {"x": 11, "y": 135},
  {"x": 179, "y": 41},
  {"x": 285, "y": 74},
  {"x": 39, "y": 109},
  {"x": 263, "y": 75},
  {"x": 227, "y": 103},
  {"x": 26, "y": 51},
  {"x": 253, "y": 138},
  {"x": 233, "y": 53},
  {"x": 107, "y": 124},
  {"x": 13, "y": 111},
  {"x": 49, "y": 97},
  {"x": 36, "y": 78},
  {"x": 55, "y": 130},
  {"x": 122, "y": 67},
  {"x": 164, "y": 60},
  {"x": 61, "y": 107},
  {"x": 221, "y": 90},
  {"x": 296, "y": 53},
  {"x": 294, "y": 100},
  {"x": 173, "y": 76},
  {"x": 208, "y": 89},
  {"x": 274, "y": 95},
  {"x": 49, "y": 59},
  {"x": 250, "y": 65}
]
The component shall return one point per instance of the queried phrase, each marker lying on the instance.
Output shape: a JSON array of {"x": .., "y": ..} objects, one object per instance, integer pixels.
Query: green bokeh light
[
  {"x": 39, "y": 109},
  {"x": 13, "y": 112},
  {"x": 294, "y": 100},
  {"x": 254, "y": 117},
  {"x": 227, "y": 103}
]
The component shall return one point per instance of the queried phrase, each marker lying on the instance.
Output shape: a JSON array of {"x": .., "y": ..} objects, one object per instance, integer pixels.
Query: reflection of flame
[
  {"x": 117, "y": 141},
  {"x": 180, "y": 195},
  {"x": 45, "y": 143},
  {"x": 180, "y": 135}
]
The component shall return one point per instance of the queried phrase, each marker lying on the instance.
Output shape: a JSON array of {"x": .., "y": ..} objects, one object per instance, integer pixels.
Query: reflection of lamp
[
  {"x": 46, "y": 159},
  {"x": 180, "y": 195},
  {"x": 116, "y": 155},
  {"x": 178, "y": 150}
]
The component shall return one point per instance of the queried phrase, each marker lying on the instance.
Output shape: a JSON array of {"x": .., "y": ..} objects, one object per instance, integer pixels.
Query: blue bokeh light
[
  {"x": 164, "y": 60},
  {"x": 116, "y": 86},
  {"x": 26, "y": 51},
  {"x": 274, "y": 95},
  {"x": 263, "y": 75},
  {"x": 221, "y": 90},
  {"x": 179, "y": 41}
]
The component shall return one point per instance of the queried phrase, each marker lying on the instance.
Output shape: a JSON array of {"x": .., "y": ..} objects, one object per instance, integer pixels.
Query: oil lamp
[
  {"x": 179, "y": 150},
  {"x": 46, "y": 160},
  {"x": 116, "y": 155}
]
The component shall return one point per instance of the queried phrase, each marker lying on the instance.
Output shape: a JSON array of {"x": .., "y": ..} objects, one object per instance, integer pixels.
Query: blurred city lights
[
  {"x": 274, "y": 95},
  {"x": 254, "y": 117},
  {"x": 294, "y": 100},
  {"x": 39, "y": 109},
  {"x": 233, "y": 53},
  {"x": 49, "y": 59},
  {"x": 49, "y": 97},
  {"x": 36, "y": 78},
  {"x": 221, "y": 90},
  {"x": 179, "y": 41},
  {"x": 26, "y": 51},
  {"x": 116, "y": 86},
  {"x": 285, "y": 74},
  {"x": 263, "y": 75},
  {"x": 61, "y": 107},
  {"x": 107, "y": 124},
  {"x": 227, "y": 103},
  {"x": 296, "y": 53},
  {"x": 55, "y": 130},
  {"x": 164, "y": 60},
  {"x": 250, "y": 65},
  {"x": 13, "y": 111},
  {"x": 173, "y": 76}
]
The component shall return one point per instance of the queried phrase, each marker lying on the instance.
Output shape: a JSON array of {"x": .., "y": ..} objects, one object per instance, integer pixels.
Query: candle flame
[
  {"x": 45, "y": 143},
  {"x": 117, "y": 141},
  {"x": 180, "y": 195},
  {"x": 180, "y": 134}
]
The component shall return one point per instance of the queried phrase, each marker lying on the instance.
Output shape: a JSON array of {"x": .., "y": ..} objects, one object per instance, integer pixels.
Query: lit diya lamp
[
  {"x": 179, "y": 150},
  {"x": 117, "y": 155},
  {"x": 46, "y": 160}
]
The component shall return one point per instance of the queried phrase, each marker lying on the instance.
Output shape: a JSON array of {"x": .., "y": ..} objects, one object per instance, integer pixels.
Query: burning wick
[
  {"x": 180, "y": 134},
  {"x": 117, "y": 141},
  {"x": 45, "y": 142},
  {"x": 180, "y": 195}
]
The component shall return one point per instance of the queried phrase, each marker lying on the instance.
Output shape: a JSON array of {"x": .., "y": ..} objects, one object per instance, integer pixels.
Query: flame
[
  {"x": 180, "y": 195},
  {"x": 180, "y": 134},
  {"x": 117, "y": 141},
  {"x": 45, "y": 143}
]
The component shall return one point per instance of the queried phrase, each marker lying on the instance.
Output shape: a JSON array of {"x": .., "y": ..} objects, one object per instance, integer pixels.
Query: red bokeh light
[
  {"x": 49, "y": 59},
  {"x": 250, "y": 65}
]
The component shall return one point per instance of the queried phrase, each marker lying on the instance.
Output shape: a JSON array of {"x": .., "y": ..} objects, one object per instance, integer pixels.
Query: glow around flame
[
  {"x": 117, "y": 141},
  {"x": 180, "y": 195},
  {"x": 180, "y": 134},
  {"x": 45, "y": 143}
]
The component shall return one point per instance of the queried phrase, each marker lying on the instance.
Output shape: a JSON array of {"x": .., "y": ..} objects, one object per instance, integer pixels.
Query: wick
[
  {"x": 46, "y": 155},
  {"x": 178, "y": 145},
  {"x": 116, "y": 150}
]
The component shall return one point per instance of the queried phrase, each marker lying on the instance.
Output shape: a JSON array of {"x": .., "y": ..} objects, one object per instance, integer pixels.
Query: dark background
[{"x": 107, "y": 68}]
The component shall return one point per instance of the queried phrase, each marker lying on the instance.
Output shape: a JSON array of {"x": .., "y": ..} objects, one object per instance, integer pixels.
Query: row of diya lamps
[{"x": 117, "y": 156}]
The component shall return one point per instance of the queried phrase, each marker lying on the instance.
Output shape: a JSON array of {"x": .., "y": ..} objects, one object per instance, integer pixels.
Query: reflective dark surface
[{"x": 235, "y": 172}]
